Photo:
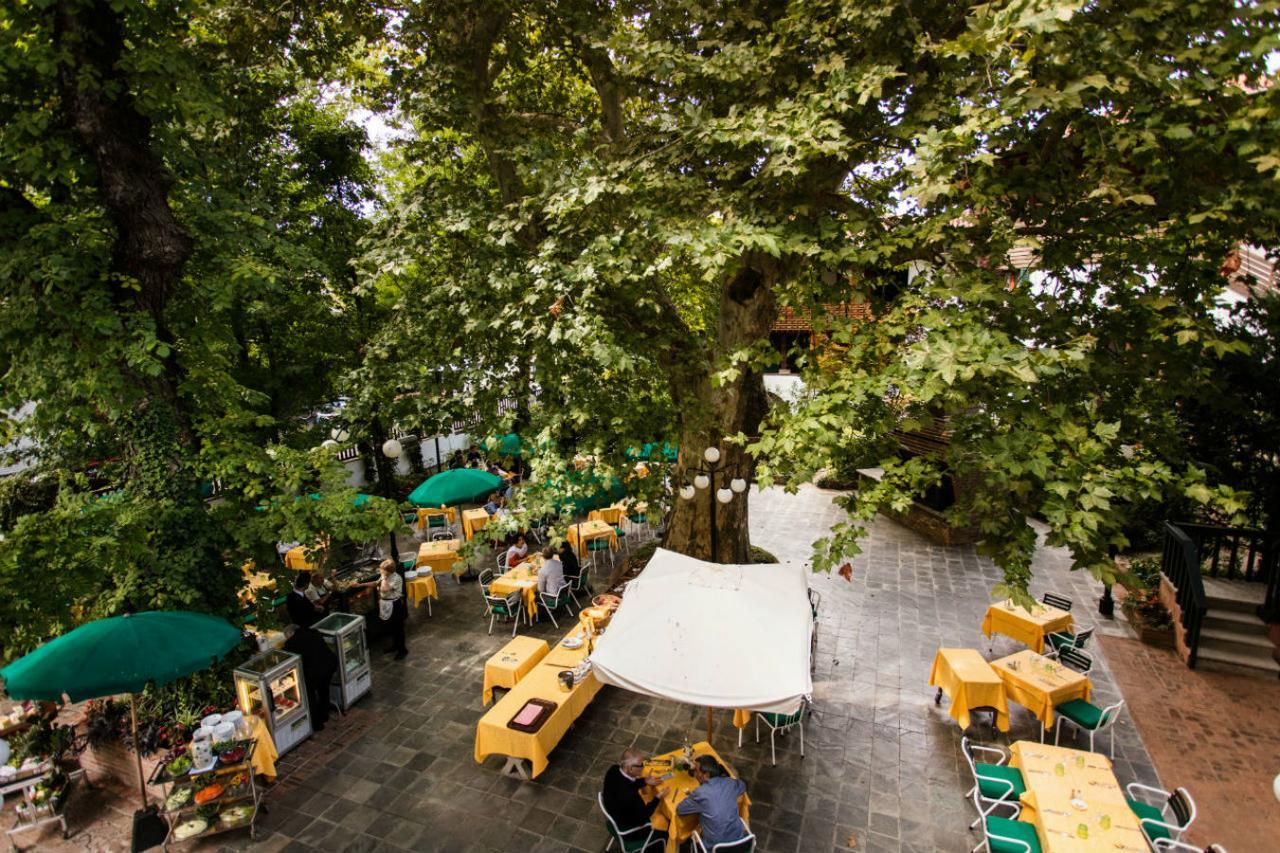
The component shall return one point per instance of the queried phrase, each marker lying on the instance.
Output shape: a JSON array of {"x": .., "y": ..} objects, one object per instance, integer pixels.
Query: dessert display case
[
  {"x": 270, "y": 686},
  {"x": 344, "y": 633}
]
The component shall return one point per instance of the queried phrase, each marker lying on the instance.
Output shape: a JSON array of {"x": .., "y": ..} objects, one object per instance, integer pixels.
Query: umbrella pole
[
  {"x": 709, "y": 724},
  {"x": 137, "y": 749}
]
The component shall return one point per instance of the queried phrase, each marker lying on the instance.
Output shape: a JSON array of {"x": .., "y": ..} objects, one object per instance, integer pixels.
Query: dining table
[
  {"x": 1040, "y": 684},
  {"x": 580, "y": 534},
  {"x": 1027, "y": 626},
  {"x": 678, "y": 784},
  {"x": 473, "y": 520},
  {"x": 965, "y": 676},
  {"x": 441, "y": 556},
  {"x": 1074, "y": 800},
  {"x": 512, "y": 662},
  {"x": 522, "y": 579}
]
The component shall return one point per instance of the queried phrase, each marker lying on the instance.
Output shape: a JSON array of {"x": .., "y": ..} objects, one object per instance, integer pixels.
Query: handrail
[
  {"x": 1246, "y": 549},
  {"x": 1180, "y": 563}
]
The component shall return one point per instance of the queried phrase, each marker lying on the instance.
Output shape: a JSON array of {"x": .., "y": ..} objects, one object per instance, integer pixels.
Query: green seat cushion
[
  {"x": 1084, "y": 714},
  {"x": 437, "y": 521},
  {"x": 598, "y": 545},
  {"x": 639, "y": 519},
  {"x": 500, "y": 607},
  {"x": 779, "y": 720},
  {"x": 1016, "y": 829},
  {"x": 994, "y": 781},
  {"x": 1060, "y": 642},
  {"x": 1143, "y": 810}
]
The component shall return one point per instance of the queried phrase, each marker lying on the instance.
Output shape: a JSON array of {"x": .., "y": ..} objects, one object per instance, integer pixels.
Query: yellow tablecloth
[
  {"x": 296, "y": 559},
  {"x": 1025, "y": 627},
  {"x": 511, "y": 663},
  {"x": 253, "y": 583},
  {"x": 450, "y": 515},
  {"x": 523, "y": 579},
  {"x": 680, "y": 827},
  {"x": 472, "y": 521},
  {"x": 609, "y": 515},
  {"x": 1087, "y": 778},
  {"x": 965, "y": 676},
  {"x": 494, "y": 738},
  {"x": 264, "y": 752},
  {"x": 580, "y": 534},
  {"x": 419, "y": 589},
  {"x": 441, "y": 556},
  {"x": 1038, "y": 684}
]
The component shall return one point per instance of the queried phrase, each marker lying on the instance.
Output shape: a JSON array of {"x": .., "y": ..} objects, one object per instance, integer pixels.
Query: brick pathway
[
  {"x": 882, "y": 764},
  {"x": 1216, "y": 734}
]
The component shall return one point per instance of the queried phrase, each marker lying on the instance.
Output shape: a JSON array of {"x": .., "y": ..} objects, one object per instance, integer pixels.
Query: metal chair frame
[
  {"x": 1110, "y": 715},
  {"x": 968, "y": 748},
  {"x": 1076, "y": 639},
  {"x": 745, "y": 844},
  {"x": 988, "y": 836},
  {"x": 1179, "y": 799},
  {"x": 1081, "y": 662},
  {"x": 619, "y": 836},
  {"x": 1054, "y": 600},
  {"x": 513, "y": 606},
  {"x": 795, "y": 720},
  {"x": 551, "y": 601}
]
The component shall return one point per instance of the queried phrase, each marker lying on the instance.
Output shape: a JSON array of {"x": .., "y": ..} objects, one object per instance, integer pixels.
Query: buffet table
[
  {"x": 493, "y": 737},
  {"x": 511, "y": 663}
]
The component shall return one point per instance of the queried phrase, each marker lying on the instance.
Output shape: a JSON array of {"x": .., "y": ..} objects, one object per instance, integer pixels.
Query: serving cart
[
  {"x": 344, "y": 633},
  {"x": 270, "y": 686},
  {"x": 193, "y": 815},
  {"x": 32, "y": 811}
]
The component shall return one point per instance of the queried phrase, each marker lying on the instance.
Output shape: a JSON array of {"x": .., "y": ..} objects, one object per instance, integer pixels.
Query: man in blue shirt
[{"x": 715, "y": 802}]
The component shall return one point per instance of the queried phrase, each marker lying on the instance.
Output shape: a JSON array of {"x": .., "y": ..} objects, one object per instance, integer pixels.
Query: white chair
[
  {"x": 562, "y": 597},
  {"x": 1184, "y": 847},
  {"x": 1014, "y": 836},
  {"x": 781, "y": 723},
  {"x": 635, "y": 840},
  {"x": 746, "y": 844},
  {"x": 1165, "y": 822},
  {"x": 995, "y": 784},
  {"x": 426, "y": 572},
  {"x": 1087, "y": 717},
  {"x": 508, "y": 608}
]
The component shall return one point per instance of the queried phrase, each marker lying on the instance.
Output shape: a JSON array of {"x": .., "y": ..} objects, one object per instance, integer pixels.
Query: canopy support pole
[
  {"x": 137, "y": 749},
  {"x": 709, "y": 721}
]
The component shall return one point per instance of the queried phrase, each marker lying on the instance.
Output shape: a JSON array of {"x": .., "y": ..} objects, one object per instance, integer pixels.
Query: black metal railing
[
  {"x": 1240, "y": 553},
  {"x": 1181, "y": 565}
]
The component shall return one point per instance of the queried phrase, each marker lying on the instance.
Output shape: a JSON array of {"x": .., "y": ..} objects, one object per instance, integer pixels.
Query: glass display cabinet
[
  {"x": 344, "y": 632},
  {"x": 271, "y": 687}
]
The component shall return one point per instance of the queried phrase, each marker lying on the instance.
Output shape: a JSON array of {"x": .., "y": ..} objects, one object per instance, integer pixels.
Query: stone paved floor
[
  {"x": 1215, "y": 733},
  {"x": 882, "y": 768}
]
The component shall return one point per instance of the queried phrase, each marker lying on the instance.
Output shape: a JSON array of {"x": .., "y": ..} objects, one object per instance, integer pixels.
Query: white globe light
[
  {"x": 738, "y": 484},
  {"x": 328, "y": 444},
  {"x": 724, "y": 496},
  {"x": 711, "y": 454},
  {"x": 339, "y": 435},
  {"x": 392, "y": 448},
  {"x": 1275, "y": 786},
  {"x": 701, "y": 481},
  {"x": 686, "y": 492}
]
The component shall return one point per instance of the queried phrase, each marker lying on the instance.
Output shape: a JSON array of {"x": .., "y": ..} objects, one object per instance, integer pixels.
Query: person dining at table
[
  {"x": 572, "y": 567},
  {"x": 623, "y": 784},
  {"x": 517, "y": 552},
  {"x": 551, "y": 575},
  {"x": 715, "y": 803},
  {"x": 493, "y": 504},
  {"x": 320, "y": 590}
]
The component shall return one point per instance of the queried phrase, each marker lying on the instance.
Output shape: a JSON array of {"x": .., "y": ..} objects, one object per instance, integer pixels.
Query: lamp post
[
  {"x": 705, "y": 478},
  {"x": 393, "y": 450}
]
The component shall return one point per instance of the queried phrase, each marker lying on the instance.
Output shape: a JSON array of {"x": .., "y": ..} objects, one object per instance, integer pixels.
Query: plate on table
[
  {"x": 1079, "y": 804},
  {"x": 572, "y": 642}
]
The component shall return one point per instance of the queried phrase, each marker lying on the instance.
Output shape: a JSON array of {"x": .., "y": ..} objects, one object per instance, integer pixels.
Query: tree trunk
[{"x": 709, "y": 414}]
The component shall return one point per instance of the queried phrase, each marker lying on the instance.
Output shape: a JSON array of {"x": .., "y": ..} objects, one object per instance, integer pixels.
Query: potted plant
[{"x": 1141, "y": 603}]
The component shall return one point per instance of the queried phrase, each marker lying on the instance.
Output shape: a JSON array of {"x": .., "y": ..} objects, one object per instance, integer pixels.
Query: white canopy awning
[{"x": 713, "y": 635}]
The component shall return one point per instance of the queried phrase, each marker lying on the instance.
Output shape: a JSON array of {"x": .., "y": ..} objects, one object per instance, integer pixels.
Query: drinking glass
[
  {"x": 1080, "y": 761},
  {"x": 1082, "y": 831},
  {"x": 1059, "y": 769},
  {"x": 1105, "y": 822}
]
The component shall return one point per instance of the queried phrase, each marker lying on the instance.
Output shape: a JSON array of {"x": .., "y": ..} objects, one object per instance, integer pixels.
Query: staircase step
[
  {"x": 1231, "y": 604},
  {"x": 1244, "y": 619},
  {"x": 1239, "y": 638},
  {"x": 1216, "y": 652}
]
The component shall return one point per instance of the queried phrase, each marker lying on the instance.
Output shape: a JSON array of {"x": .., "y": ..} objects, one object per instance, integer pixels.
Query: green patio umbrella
[
  {"x": 506, "y": 445},
  {"x": 121, "y": 654},
  {"x": 454, "y": 487},
  {"x": 359, "y": 500}
]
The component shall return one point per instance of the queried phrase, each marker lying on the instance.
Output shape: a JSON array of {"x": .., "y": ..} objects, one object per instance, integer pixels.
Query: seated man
[
  {"x": 551, "y": 575},
  {"x": 320, "y": 590},
  {"x": 623, "y": 783},
  {"x": 493, "y": 505},
  {"x": 715, "y": 802}
]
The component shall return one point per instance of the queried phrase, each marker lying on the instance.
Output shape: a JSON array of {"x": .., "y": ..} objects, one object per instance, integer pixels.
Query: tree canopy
[{"x": 587, "y": 222}]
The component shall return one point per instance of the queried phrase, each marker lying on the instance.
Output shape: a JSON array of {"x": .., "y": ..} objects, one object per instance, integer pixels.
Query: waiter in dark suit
[
  {"x": 622, "y": 785},
  {"x": 303, "y": 612},
  {"x": 319, "y": 663}
]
